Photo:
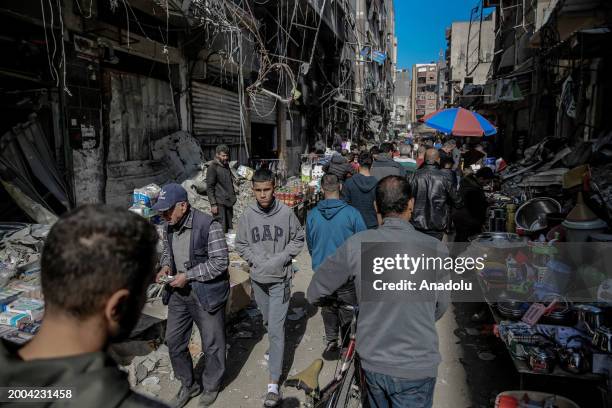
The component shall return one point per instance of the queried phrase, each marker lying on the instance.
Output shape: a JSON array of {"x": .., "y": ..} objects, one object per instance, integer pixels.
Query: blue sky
[{"x": 420, "y": 27}]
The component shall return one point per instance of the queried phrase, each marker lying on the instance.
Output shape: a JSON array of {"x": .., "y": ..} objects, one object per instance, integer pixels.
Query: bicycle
[{"x": 346, "y": 389}]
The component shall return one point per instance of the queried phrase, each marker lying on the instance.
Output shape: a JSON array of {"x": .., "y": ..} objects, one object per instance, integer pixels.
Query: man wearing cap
[
  {"x": 196, "y": 258},
  {"x": 220, "y": 188}
]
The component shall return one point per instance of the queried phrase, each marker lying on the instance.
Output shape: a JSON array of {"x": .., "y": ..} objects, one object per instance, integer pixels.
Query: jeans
[
  {"x": 335, "y": 318},
  {"x": 184, "y": 309},
  {"x": 273, "y": 301},
  {"x": 385, "y": 391}
]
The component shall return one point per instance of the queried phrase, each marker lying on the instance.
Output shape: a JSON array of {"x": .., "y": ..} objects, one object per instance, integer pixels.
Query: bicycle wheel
[{"x": 349, "y": 393}]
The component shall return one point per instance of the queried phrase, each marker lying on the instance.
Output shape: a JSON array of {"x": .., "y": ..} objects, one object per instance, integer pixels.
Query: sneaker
[
  {"x": 185, "y": 394},
  {"x": 208, "y": 398},
  {"x": 272, "y": 400},
  {"x": 332, "y": 351}
]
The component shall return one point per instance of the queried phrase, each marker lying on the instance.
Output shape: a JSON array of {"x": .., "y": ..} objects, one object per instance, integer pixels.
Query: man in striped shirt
[{"x": 195, "y": 257}]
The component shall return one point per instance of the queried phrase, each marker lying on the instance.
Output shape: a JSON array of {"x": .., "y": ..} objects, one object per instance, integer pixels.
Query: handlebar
[{"x": 336, "y": 303}]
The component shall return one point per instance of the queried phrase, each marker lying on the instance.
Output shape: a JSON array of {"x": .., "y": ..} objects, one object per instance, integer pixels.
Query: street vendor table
[{"x": 523, "y": 369}]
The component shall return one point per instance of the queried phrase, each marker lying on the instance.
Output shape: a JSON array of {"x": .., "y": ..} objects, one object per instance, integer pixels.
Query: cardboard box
[{"x": 240, "y": 288}]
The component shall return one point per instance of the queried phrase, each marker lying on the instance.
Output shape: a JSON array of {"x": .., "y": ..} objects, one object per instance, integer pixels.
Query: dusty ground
[{"x": 247, "y": 375}]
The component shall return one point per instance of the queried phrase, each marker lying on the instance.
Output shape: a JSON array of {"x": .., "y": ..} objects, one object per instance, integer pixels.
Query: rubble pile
[
  {"x": 147, "y": 373},
  {"x": 196, "y": 190}
]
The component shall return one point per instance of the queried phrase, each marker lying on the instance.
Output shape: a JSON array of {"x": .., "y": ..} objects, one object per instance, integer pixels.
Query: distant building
[
  {"x": 424, "y": 90},
  {"x": 401, "y": 102},
  {"x": 469, "y": 54},
  {"x": 442, "y": 84}
]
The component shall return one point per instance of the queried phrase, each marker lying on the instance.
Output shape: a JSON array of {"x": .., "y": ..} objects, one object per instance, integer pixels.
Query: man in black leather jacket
[{"x": 433, "y": 197}]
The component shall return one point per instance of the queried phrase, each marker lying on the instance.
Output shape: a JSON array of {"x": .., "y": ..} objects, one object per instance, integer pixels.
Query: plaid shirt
[{"x": 218, "y": 254}]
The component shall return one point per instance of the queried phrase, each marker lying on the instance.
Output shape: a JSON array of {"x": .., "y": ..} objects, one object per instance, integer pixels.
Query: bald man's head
[{"x": 432, "y": 156}]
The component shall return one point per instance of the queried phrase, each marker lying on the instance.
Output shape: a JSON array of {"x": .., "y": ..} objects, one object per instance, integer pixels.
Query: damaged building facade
[
  {"x": 102, "y": 97},
  {"x": 550, "y": 73}
]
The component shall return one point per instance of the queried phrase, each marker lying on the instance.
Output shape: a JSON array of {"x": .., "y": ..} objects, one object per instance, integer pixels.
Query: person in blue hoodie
[
  {"x": 360, "y": 191},
  {"x": 328, "y": 225}
]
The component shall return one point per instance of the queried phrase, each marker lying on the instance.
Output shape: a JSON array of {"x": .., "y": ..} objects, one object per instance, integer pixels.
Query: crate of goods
[
  {"x": 34, "y": 308},
  {"x": 13, "y": 319},
  {"x": 146, "y": 196},
  {"x": 7, "y": 296}
]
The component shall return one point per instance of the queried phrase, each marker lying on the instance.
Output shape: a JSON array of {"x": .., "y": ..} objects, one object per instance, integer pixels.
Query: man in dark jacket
[
  {"x": 95, "y": 268},
  {"x": 220, "y": 188},
  {"x": 360, "y": 191},
  {"x": 338, "y": 166},
  {"x": 470, "y": 219},
  {"x": 196, "y": 257},
  {"x": 385, "y": 166},
  {"x": 433, "y": 197},
  {"x": 446, "y": 167},
  {"x": 327, "y": 227}
]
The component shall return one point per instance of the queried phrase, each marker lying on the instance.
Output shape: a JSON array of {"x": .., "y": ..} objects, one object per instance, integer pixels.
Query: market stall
[{"x": 547, "y": 276}]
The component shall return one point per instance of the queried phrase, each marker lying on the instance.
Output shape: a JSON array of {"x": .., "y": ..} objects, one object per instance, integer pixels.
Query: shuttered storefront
[
  {"x": 263, "y": 109},
  {"x": 216, "y": 119}
]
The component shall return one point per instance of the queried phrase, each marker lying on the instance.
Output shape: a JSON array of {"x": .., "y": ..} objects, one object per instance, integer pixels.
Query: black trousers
[
  {"x": 183, "y": 310},
  {"x": 225, "y": 216},
  {"x": 335, "y": 320}
]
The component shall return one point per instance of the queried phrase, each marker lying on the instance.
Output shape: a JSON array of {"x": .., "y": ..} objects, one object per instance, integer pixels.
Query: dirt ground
[
  {"x": 247, "y": 376},
  {"x": 475, "y": 365}
]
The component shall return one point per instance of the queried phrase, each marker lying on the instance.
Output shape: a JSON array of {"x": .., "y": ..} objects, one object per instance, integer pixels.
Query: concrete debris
[
  {"x": 153, "y": 388},
  {"x": 196, "y": 190},
  {"x": 150, "y": 381},
  {"x": 21, "y": 249},
  {"x": 149, "y": 364},
  {"x": 182, "y": 154}
]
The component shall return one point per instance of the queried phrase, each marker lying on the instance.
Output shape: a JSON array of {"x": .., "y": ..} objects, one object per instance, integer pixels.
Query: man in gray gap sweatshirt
[
  {"x": 269, "y": 237},
  {"x": 397, "y": 342}
]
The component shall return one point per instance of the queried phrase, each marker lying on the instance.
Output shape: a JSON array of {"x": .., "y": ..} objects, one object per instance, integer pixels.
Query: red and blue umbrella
[{"x": 459, "y": 122}]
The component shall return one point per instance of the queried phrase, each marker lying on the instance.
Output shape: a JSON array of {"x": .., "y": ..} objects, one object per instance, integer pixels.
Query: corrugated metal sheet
[
  {"x": 140, "y": 110},
  {"x": 263, "y": 109},
  {"x": 216, "y": 114}
]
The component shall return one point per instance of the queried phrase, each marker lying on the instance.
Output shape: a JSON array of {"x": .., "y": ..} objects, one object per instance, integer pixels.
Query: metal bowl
[{"x": 531, "y": 215}]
